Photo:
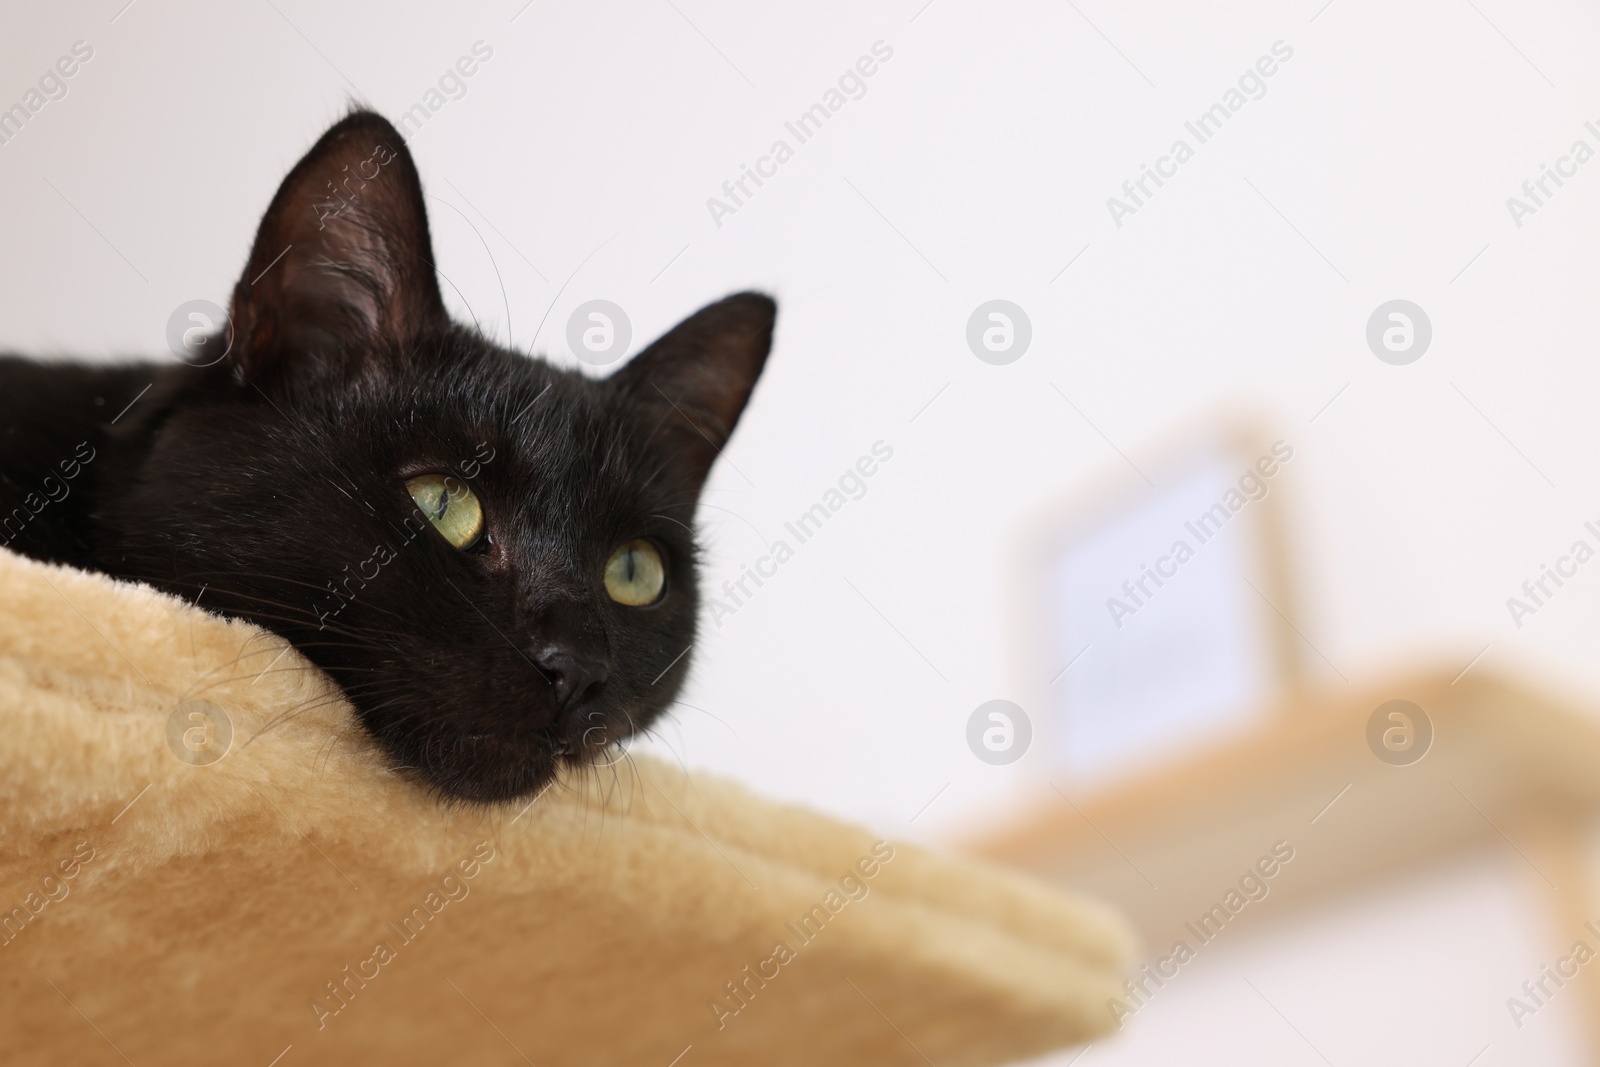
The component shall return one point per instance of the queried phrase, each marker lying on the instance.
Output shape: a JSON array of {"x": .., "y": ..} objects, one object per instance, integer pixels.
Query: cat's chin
[
  {"x": 486, "y": 769},
  {"x": 483, "y": 764}
]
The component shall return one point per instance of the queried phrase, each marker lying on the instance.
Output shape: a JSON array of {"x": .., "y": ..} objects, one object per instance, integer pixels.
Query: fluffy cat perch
[{"x": 297, "y": 898}]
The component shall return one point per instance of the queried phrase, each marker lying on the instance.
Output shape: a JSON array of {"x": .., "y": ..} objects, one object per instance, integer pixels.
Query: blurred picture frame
[{"x": 1154, "y": 610}]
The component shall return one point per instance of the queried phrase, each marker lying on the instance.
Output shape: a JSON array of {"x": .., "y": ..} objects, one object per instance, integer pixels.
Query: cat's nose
[{"x": 573, "y": 676}]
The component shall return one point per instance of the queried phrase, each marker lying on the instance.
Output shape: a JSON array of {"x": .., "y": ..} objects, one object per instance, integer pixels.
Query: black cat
[{"x": 493, "y": 557}]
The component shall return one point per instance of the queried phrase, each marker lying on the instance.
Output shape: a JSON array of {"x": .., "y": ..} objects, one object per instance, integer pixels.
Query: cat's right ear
[{"x": 342, "y": 265}]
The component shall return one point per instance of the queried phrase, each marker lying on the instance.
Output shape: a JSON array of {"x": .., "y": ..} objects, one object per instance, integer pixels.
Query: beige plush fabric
[{"x": 296, "y": 899}]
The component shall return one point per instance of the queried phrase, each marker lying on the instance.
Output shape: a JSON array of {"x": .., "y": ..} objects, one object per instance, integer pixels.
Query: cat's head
[{"x": 494, "y": 557}]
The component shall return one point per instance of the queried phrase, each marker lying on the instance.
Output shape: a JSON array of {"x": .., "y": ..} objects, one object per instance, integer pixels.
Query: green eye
[
  {"x": 635, "y": 574},
  {"x": 451, "y": 507}
]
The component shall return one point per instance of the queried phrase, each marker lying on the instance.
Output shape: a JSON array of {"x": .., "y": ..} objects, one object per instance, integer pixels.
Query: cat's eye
[
  {"x": 451, "y": 507},
  {"x": 635, "y": 574}
]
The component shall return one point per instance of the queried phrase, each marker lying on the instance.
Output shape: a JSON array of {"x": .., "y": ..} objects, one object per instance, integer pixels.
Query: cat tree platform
[{"x": 295, "y": 902}]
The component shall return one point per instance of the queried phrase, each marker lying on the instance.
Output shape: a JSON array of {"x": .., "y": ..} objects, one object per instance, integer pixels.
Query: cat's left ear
[
  {"x": 342, "y": 264},
  {"x": 699, "y": 374}
]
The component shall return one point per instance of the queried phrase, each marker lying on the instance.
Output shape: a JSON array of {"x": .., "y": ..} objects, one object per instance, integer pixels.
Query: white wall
[{"x": 976, "y": 166}]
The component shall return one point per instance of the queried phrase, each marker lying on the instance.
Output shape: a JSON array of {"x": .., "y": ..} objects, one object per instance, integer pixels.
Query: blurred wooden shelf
[{"x": 1507, "y": 766}]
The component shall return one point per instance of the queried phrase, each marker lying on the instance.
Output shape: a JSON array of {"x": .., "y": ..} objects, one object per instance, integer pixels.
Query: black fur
[{"x": 274, "y": 480}]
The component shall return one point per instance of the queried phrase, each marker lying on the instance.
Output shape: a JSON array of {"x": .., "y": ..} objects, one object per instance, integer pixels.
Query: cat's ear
[
  {"x": 342, "y": 264},
  {"x": 699, "y": 374}
]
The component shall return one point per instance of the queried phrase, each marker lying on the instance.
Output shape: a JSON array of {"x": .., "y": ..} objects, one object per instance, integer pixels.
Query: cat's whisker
[
  {"x": 310, "y": 611},
  {"x": 668, "y": 518},
  {"x": 504, "y": 299},
  {"x": 703, "y": 711}
]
